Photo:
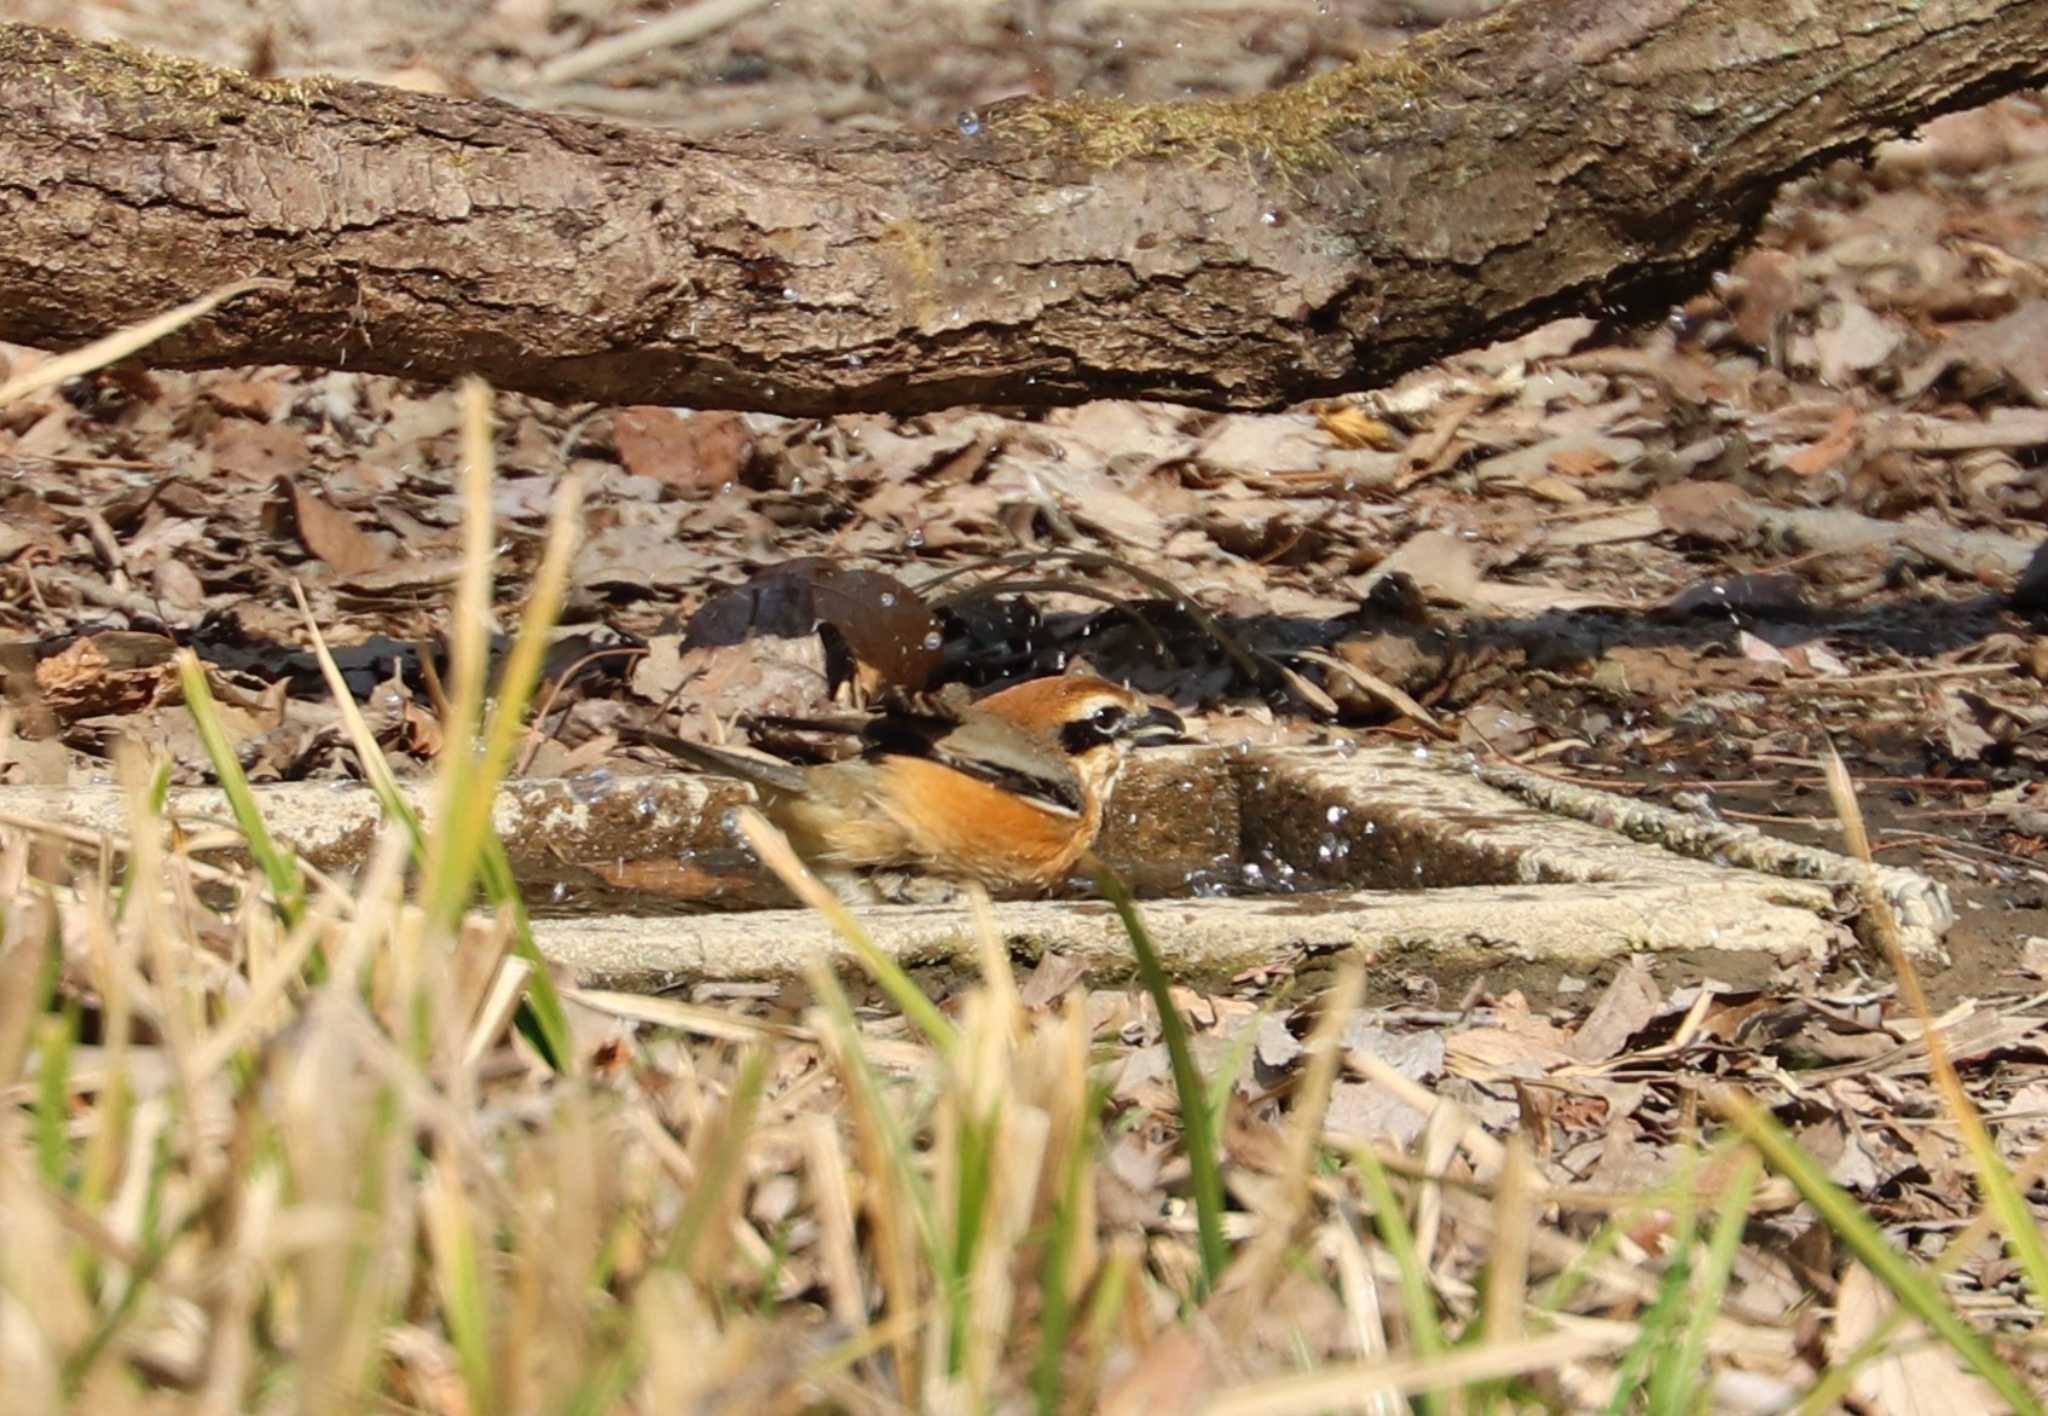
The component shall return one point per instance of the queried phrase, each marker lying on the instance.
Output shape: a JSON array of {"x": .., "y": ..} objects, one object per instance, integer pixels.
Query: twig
[{"x": 678, "y": 27}]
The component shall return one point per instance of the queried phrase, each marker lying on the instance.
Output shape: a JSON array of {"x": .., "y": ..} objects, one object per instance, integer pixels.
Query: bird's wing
[
  {"x": 1010, "y": 757},
  {"x": 777, "y": 776}
]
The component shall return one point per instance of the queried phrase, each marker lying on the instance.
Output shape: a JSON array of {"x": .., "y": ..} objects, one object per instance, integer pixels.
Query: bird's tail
[{"x": 774, "y": 776}]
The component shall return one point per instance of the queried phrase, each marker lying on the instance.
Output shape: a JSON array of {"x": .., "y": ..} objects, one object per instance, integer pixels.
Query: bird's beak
[{"x": 1159, "y": 725}]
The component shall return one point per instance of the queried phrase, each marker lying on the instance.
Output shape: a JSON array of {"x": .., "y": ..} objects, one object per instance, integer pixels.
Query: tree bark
[{"x": 1562, "y": 155}]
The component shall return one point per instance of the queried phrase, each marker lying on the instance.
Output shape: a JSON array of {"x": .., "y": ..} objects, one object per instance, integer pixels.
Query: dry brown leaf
[
  {"x": 1852, "y": 338},
  {"x": 1581, "y": 461},
  {"x": 1629, "y": 1002},
  {"x": 1835, "y": 445},
  {"x": 332, "y": 534},
  {"x": 1706, "y": 511},
  {"x": 115, "y": 672},
  {"x": 1765, "y": 288},
  {"x": 1917, "y": 1376},
  {"x": 1440, "y": 564},
  {"x": 1352, "y": 427},
  {"x": 1172, "y": 1376},
  {"x": 256, "y": 398},
  {"x": 258, "y": 452},
  {"x": 695, "y": 454},
  {"x": 1557, "y": 491},
  {"x": 178, "y": 586}
]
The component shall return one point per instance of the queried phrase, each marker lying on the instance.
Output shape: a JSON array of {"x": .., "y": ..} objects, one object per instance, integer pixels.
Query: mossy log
[{"x": 1560, "y": 155}]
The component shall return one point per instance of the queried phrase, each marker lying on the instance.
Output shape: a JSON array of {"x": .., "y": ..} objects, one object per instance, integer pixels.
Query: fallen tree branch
[{"x": 1559, "y": 155}]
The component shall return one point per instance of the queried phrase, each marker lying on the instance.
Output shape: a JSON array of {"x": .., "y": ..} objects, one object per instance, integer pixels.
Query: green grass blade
[
  {"x": 53, "y": 1096},
  {"x": 865, "y": 1091},
  {"x": 1418, "y": 1298},
  {"x": 1198, "y": 1133},
  {"x": 1055, "y": 1274},
  {"x": 1689, "y": 1367},
  {"x": 1645, "y": 1363},
  {"x": 775, "y": 852},
  {"x": 541, "y": 1019},
  {"x": 974, "y": 1170},
  {"x": 1914, "y": 1289},
  {"x": 280, "y": 869},
  {"x": 725, "y": 1164},
  {"x": 459, "y": 1276}
]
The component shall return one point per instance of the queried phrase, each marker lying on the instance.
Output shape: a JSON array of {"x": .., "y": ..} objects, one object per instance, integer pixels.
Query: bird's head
[{"x": 1093, "y": 721}]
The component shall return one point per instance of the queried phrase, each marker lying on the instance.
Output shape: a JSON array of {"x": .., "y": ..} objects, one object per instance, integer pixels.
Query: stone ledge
[{"x": 1412, "y": 851}]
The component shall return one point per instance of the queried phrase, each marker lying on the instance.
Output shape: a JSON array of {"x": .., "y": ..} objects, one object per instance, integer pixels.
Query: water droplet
[
  {"x": 970, "y": 123},
  {"x": 915, "y": 540},
  {"x": 560, "y": 892},
  {"x": 1336, "y": 814},
  {"x": 645, "y": 805},
  {"x": 1372, "y": 828},
  {"x": 592, "y": 785},
  {"x": 1270, "y": 218},
  {"x": 1421, "y": 753},
  {"x": 1347, "y": 747},
  {"x": 789, "y": 293},
  {"x": 887, "y": 599},
  {"x": 934, "y": 640},
  {"x": 1242, "y": 747}
]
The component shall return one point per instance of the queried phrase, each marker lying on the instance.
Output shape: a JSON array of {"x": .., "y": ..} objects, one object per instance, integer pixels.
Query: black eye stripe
[{"x": 1078, "y": 737}]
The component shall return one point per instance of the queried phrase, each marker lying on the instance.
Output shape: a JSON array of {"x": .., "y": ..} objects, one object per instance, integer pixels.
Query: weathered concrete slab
[
  {"x": 1176, "y": 813},
  {"x": 1451, "y": 929},
  {"x": 1413, "y": 853},
  {"x": 1441, "y": 820}
]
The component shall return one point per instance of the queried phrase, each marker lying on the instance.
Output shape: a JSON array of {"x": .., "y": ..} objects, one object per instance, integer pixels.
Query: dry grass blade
[
  {"x": 1915, "y": 1289},
  {"x": 1251, "y": 1278},
  {"x": 781, "y": 858},
  {"x": 681, "y": 27},
  {"x": 2005, "y": 1200},
  {"x": 1345, "y": 1386},
  {"x": 123, "y": 342},
  {"x": 1507, "y": 1276},
  {"x": 1373, "y": 686},
  {"x": 692, "y": 1018}
]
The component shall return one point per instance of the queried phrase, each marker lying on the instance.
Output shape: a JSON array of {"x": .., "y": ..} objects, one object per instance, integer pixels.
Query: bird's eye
[{"x": 1109, "y": 717}]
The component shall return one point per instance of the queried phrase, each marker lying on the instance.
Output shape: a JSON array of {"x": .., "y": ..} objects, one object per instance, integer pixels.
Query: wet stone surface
[{"x": 1381, "y": 850}]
